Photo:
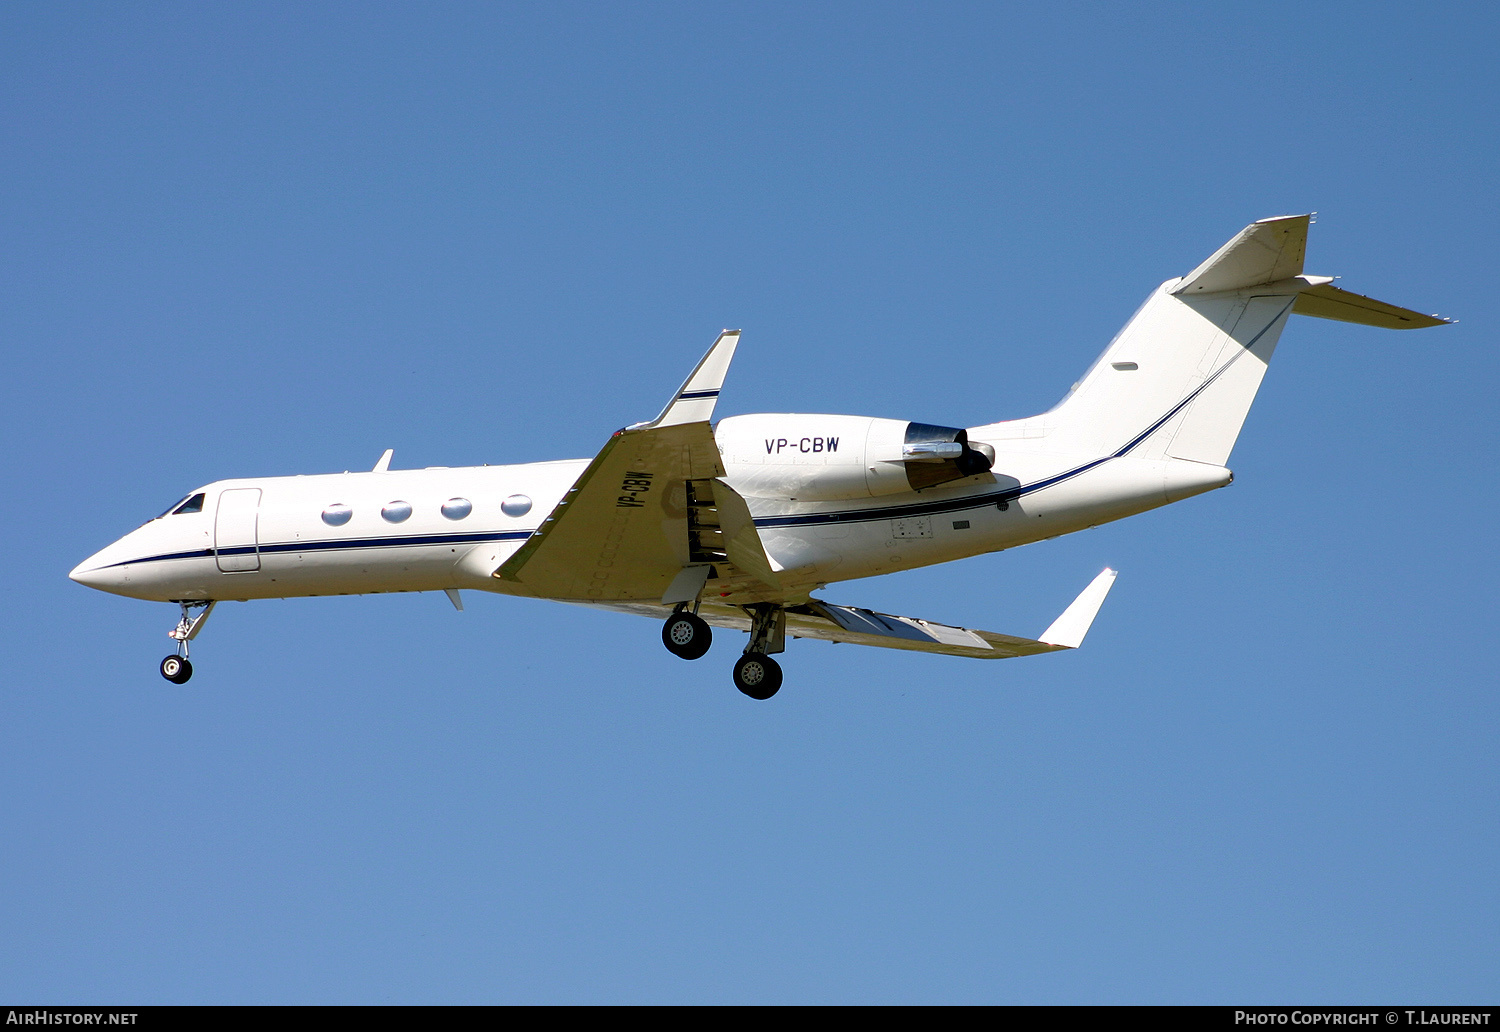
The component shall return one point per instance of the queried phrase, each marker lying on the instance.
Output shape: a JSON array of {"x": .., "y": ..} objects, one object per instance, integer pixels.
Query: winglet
[
  {"x": 694, "y": 401},
  {"x": 1067, "y": 631},
  {"x": 384, "y": 462}
]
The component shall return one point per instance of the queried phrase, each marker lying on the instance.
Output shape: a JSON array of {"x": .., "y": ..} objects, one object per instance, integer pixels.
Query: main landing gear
[
  {"x": 685, "y": 634},
  {"x": 756, "y": 674},
  {"x": 176, "y": 668}
]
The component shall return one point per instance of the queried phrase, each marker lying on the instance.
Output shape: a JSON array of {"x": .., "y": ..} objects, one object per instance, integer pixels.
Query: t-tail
[{"x": 1178, "y": 380}]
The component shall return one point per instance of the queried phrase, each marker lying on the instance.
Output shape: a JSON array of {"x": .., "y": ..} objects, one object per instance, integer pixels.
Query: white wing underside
[{"x": 827, "y": 622}]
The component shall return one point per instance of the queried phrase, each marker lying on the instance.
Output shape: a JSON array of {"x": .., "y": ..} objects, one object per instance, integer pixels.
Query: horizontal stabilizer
[
  {"x": 1329, "y": 302},
  {"x": 1262, "y": 252}
]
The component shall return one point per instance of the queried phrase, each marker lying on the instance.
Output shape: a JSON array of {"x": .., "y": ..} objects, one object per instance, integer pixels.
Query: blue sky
[{"x": 267, "y": 239}]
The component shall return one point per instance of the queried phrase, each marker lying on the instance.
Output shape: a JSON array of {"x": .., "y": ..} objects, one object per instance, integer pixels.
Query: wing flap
[
  {"x": 883, "y": 630},
  {"x": 742, "y": 544}
]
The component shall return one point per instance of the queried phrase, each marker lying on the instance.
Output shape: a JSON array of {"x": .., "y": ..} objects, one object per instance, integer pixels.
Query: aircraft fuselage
[{"x": 271, "y": 537}]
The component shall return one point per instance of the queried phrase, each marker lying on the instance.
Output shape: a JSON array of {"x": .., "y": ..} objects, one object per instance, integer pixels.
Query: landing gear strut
[
  {"x": 686, "y": 634},
  {"x": 176, "y": 668},
  {"x": 756, "y": 673}
]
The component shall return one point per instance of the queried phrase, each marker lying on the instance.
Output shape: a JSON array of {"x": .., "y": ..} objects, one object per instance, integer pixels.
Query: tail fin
[{"x": 1179, "y": 379}]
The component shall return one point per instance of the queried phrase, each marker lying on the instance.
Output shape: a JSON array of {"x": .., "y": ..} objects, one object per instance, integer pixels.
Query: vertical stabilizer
[{"x": 1179, "y": 379}]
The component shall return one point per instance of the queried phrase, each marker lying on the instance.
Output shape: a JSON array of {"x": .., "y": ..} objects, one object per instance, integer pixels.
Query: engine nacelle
[{"x": 828, "y": 458}]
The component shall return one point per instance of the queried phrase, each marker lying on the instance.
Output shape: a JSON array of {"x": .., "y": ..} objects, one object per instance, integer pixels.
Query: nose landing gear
[{"x": 176, "y": 668}]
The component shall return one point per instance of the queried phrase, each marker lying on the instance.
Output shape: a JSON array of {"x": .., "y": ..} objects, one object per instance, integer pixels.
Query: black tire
[
  {"x": 176, "y": 669},
  {"x": 686, "y": 635},
  {"x": 758, "y": 676}
]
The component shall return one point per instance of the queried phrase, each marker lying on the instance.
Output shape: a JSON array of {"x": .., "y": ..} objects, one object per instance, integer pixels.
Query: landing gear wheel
[
  {"x": 757, "y": 675},
  {"x": 686, "y": 635},
  {"x": 176, "y": 669}
]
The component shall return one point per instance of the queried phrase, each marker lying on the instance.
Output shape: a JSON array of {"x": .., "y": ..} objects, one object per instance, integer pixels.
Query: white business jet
[{"x": 735, "y": 524}]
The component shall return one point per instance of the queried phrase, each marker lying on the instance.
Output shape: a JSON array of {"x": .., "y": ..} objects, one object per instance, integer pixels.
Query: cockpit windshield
[{"x": 192, "y": 503}]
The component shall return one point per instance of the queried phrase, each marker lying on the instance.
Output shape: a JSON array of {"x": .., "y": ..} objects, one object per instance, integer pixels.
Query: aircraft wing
[
  {"x": 822, "y": 620},
  {"x": 648, "y": 519}
]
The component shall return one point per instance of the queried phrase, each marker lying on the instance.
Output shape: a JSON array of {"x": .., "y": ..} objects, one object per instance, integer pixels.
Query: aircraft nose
[
  {"x": 84, "y": 575},
  {"x": 94, "y": 573}
]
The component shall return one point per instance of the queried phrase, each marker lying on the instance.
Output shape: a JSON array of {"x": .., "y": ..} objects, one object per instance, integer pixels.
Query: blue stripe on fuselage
[{"x": 339, "y": 544}]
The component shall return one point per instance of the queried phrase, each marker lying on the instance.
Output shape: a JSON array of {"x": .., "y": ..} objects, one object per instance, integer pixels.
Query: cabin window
[
  {"x": 396, "y": 512},
  {"x": 193, "y": 504},
  {"x": 516, "y": 505},
  {"x": 337, "y": 514},
  {"x": 457, "y": 508}
]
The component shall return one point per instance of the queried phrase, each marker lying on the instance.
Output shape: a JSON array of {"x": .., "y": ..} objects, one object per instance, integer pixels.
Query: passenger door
[{"x": 236, "y": 546}]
